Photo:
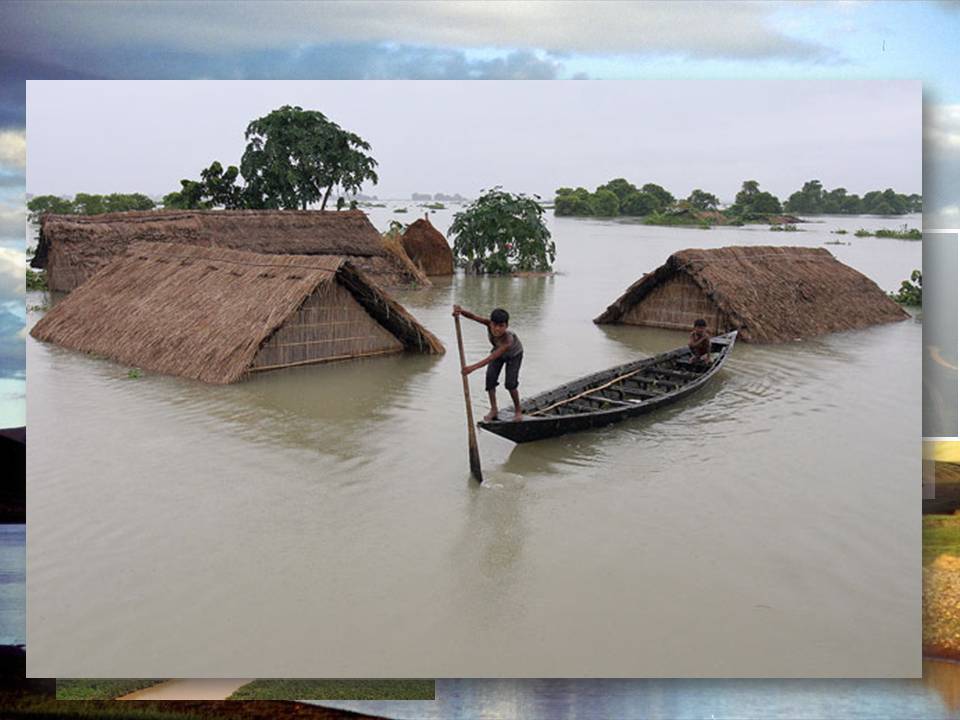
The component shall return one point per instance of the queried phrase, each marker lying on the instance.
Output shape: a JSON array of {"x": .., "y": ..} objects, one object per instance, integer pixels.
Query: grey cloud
[{"x": 645, "y": 28}]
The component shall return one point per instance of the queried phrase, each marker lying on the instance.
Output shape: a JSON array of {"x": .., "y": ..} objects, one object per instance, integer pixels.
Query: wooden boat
[{"x": 612, "y": 395}]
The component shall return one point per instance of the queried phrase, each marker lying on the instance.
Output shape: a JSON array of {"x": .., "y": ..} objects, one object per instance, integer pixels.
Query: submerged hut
[
  {"x": 72, "y": 248},
  {"x": 769, "y": 294},
  {"x": 428, "y": 248},
  {"x": 216, "y": 315}
]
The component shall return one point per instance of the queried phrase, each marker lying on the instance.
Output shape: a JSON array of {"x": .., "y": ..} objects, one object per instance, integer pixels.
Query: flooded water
[
  {"x": 321, "y": 521},
  {"x": 936, "y": 696}
]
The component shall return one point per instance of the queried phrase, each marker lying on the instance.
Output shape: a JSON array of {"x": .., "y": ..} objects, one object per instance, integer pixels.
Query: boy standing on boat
[
  {"x": 700, "y": 342},
  {"x": 507, "y": 350}
]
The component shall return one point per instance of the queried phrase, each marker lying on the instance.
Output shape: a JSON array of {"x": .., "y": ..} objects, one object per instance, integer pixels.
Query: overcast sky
[{"x": 447, "y": 136}]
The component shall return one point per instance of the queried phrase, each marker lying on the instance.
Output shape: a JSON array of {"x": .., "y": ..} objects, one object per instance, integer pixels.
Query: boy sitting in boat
[
  {"x": 700, "y": 343},
  {"x": 507, "y": 350}
]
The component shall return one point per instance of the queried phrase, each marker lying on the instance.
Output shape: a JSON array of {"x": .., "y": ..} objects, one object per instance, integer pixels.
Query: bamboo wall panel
[
  {"x": 329, "y": 324},
  {"x": 675, "y": 304}
]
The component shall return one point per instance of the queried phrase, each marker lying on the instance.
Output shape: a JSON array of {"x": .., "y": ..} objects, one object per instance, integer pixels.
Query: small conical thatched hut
[
  {"x": 216, "y": 315},
  {"x": 769, "y": 294},
  {"x": 71, "y": 248},
  {"x": 428, "y": 248}
]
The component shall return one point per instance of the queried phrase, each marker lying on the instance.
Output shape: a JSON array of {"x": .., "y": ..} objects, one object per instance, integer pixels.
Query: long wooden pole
[{"x": 471, "y": 429}]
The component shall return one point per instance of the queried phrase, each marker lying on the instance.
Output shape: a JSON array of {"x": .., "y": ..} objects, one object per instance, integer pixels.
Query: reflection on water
[
  {"x": 936, "y": 696},
  {"x": 331, "y": 506}
]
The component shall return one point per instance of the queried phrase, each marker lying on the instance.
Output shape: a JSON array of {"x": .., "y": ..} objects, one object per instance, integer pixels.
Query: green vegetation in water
[
  {"x": 788, "y": 227},
  {"x": 134, "y": 374},
  {"x": 400, "y": 210},
  {"x": 37, "y": 308},
  {"x": 676, "y": 220},
  {"x": 336, "y": 689},
  {"x": 814, "y": 199},
  {"x": 904, "y": 233},
  {"x": 621, "y": 197},
  {"x": 502, "y": 233},
  {"x": 36, "y": 280},
  {"x": 435, "y": 206},
  {"x": 839, "y": 231},
  {"x": 911, "y": 291},
  {"x": 836, "y": 242},
  {"x": 100, "y": 689},
  {"x": 941, "y": 536}
]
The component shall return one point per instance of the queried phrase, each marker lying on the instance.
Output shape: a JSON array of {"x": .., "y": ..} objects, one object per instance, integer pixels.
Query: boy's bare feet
[
  {"x": 517, "y": 416},
  {"x": 491, "y": 416}
]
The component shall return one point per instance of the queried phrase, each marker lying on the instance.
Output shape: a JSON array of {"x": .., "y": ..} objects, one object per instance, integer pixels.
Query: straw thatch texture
[
  {"x": 209, "y": 313},
  {"x": 428, "y": 248},
  {"x": 769, "y": 294},
  {"x": 73, "y": 247}
]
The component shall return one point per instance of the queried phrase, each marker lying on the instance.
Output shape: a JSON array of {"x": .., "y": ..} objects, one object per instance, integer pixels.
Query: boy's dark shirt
[{"x": 516, "y": 347}]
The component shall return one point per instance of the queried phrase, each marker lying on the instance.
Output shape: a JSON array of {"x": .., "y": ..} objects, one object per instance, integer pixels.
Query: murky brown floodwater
[{"x": 320, "y": 521}]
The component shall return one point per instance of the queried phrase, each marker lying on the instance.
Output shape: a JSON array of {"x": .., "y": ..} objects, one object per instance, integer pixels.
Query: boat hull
[{"x": 549, "y": 414}]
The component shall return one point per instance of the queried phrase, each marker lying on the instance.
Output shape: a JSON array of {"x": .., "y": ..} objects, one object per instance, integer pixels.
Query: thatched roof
[
  {"x": 204, "y": 313},
  {"x": 74, "y": 247},
  {"x": 770, "y": 294},
  {"x": 428, "y": 248}
]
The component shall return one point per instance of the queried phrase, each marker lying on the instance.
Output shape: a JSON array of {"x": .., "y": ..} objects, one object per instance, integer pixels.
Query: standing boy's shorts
[{"x": 512, "y": 380}]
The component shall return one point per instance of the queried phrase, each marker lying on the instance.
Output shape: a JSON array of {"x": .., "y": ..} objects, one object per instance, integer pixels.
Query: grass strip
[{"x": 336, "y": 689}]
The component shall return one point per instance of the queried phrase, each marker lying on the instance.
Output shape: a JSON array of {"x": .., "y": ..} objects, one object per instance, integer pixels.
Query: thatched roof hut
[
  {"x": 769, "y": 294},
  {"x": 216, "y": 315},
  {"x": 428, "y": 248},
  {"x": 71, "y": 248}
]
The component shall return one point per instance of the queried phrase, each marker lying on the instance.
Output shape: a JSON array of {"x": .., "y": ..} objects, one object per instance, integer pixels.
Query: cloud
[
  {"x": 942, "y": 127},
  {"x": 13, "y": 265},
  {"x": 13, "y": 149},
  {"x": 941, "y": 166},
  {"x": 690, "y": 29},
  {"x": 13, "y": 220}
]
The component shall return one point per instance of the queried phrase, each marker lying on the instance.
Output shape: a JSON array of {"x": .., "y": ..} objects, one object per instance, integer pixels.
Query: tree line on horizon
[{"x": 620, "y": 197}]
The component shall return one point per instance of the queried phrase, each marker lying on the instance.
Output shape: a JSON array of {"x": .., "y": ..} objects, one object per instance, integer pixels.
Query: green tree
[
  {"x": 43, "y": 204},
  {"x": 123, "y": 202},
  {"x": 747, "y": 192},
  {"x": 191, "y": 196},
  {"x": 295, "y": 157},
  {"x": 619, "y": 187},
  {"x": 572, "y": 202},
  {"x": 639, "y": 204},
  {"x": 86, "y": 204},
  {"x": 702, "y": 200},
  {"x": 911, "y": 291},
  {"x": 751, "y": 202},
  {"x": 500, "y": 232},
  {"x": 663, "y": 197},
  {"x": 605, "y": 203},
  {"x": 220, "y": 186}
]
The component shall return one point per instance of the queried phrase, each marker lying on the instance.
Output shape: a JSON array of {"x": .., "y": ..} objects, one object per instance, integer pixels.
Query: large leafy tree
[
  {"x": 663, "y": 196},
  {"x": 295, "y": 157},
  {"x": 572, "y": 202},
  {"x": 702, "y": 200},
  {"x": 43, "y": 204},
  {"x": 751, "y": 202},
  {"x": 500, "y": 232},
  {"x": 605, "y": 203}
]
